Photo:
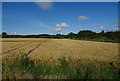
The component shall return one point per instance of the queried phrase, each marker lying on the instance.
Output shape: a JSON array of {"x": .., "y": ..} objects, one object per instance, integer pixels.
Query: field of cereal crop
[{"x": 51, "y": 55}]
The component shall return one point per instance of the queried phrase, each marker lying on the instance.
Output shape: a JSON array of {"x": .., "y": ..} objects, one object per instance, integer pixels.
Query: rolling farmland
[{"x": 50, "y": 52}]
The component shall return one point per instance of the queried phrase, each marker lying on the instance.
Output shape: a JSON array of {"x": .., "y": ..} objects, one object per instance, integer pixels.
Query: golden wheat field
[{"x": 50, "y": 51}]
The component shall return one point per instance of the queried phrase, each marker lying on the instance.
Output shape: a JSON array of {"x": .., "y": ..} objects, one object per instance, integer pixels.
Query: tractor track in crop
[
  {"x": 15, "y": 48},
  {"x": 35, "y": 47}
]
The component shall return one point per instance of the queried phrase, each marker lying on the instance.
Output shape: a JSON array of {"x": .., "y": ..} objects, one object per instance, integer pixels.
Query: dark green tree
[
  {"x": 71, "y": 35},
  {"x": 4, "y": 35}
]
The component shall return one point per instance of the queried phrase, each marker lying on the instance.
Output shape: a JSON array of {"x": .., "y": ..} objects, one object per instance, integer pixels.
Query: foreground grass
[{"x": 63, "y": 71}]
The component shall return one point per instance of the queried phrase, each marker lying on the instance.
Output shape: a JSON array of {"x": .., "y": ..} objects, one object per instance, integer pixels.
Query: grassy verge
[{"x": 63, "y": 71}]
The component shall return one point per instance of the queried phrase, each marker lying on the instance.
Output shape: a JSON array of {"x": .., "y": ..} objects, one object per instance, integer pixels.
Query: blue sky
[{"x": 58, "y": 17}]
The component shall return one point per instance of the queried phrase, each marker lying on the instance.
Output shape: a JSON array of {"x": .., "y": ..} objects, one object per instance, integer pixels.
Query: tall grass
[{"x": 63, "y": 71}]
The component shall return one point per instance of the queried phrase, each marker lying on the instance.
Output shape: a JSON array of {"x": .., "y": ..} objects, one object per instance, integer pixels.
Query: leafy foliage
[{"x": 110, "y": 36}]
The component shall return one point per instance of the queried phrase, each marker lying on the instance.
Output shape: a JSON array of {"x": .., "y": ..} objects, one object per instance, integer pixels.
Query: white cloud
[
  {"x": 102, "y": 27},
  {"x": 45, "y": 4},
  {"x": 60, "y": 27},
  {"x": 16, "y": 33},
  {"x": 82, "y": 18}
]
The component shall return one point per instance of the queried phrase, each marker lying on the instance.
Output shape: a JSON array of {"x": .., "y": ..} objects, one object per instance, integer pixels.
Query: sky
[
  {"x": 60, "y": 0},
  {"x": 58, "y": 17}
]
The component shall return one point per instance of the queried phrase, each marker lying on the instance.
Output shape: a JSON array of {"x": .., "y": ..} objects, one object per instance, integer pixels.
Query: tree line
[{"x": 110, "y": 36}]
